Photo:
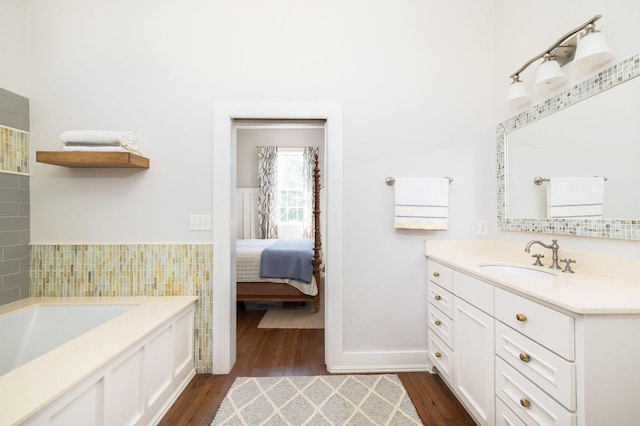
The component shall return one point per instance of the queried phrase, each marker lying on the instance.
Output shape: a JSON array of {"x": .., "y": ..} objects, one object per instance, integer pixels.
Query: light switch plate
[
  {"x": 200, "y": 222},
  {"x": 482, "y": 227}
]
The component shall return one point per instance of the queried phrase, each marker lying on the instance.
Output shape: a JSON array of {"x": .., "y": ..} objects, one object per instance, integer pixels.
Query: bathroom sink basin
[{"x": 516, "y": 270}]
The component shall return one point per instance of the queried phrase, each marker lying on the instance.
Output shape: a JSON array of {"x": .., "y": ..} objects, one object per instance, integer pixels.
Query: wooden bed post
[{"x": 317, "y": 248}]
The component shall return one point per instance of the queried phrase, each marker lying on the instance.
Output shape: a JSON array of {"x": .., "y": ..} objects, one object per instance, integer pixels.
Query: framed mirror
[{"x": 590, "y": 129}]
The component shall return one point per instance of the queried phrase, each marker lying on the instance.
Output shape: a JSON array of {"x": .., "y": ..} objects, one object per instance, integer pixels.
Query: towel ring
[{"x": 390, "y": 181}]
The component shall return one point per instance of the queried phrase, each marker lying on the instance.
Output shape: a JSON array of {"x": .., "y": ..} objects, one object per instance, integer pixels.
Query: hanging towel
[
  {"x": 575, "y": 197},
  {"x": 422, "y": 204}
]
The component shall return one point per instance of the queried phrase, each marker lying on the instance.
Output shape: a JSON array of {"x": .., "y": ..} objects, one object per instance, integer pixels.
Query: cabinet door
[{"x": 473, "y": 358}]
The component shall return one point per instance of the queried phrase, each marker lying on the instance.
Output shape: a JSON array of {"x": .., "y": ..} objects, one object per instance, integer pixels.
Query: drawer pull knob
[
  {"x": 438, "y": 322},
  {"x": 438, "y": 297},
  {"x": 521, "y": 317},
  {"x": 525, "y": 402},
  {"x": 438, "y": 354},
  {"x": 436, "y": 274},
  {"x": 524, "y": 357}
]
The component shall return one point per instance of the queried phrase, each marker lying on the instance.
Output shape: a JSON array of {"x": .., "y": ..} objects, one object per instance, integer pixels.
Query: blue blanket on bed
[{"x": 288, "y": 258}]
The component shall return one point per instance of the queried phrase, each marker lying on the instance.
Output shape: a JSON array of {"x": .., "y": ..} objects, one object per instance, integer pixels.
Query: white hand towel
[
  {"x": 97, "y": 148},
  {"x": 575, "y": 197},
  {"x": 422, "y": 204},
  {"x": 99, "y": 137}
]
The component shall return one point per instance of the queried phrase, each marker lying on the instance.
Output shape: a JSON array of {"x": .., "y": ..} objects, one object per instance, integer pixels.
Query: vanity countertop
[{"x": 590, "y": 290}]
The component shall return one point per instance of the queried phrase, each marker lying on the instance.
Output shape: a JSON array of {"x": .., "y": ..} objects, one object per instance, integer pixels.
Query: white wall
[
  {"x": 524, "y": 29},
  {"x": 14, "y": 33},
  {"x": 407, "y": 74}
]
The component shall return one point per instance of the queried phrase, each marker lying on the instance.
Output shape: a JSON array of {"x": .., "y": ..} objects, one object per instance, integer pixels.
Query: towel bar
[
  {"x": 391, "y": 180},
  {"x": 538, "y": 180}
]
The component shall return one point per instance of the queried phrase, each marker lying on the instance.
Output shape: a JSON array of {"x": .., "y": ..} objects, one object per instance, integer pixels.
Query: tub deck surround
[
  {"x": 600, "y": 284},
  {"x": 37, "y": 383}
]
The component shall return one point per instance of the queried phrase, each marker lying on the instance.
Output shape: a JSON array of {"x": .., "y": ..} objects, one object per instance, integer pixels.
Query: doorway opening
[{"x": 228, "y": 119}]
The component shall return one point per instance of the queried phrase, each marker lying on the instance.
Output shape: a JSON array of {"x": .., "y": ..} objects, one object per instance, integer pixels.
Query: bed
[{"x": 251, "y": 287}]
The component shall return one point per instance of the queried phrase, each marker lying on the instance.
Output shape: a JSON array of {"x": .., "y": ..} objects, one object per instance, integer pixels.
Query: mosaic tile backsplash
[
  {"x": 600, "y": 228},
  {"x": 14, "y": 151},
  {"x": 103, "y": 270}
]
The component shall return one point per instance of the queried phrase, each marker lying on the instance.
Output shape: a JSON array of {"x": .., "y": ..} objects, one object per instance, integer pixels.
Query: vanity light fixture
[
  {"x": 589, "y": 48},
  {"x": 549, "y": 73}
]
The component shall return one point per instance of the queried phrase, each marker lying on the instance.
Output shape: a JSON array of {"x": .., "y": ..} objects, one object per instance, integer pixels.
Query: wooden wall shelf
[{"x": 86, "y": 159}]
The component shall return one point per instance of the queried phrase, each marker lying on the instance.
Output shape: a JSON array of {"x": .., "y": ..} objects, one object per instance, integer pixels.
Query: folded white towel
[
  {"x": 422, "y": 204},
  {"x": 575, "y": 197},
  {"x": 98, "y": 148},
  {"x": 99, "y": 137}
]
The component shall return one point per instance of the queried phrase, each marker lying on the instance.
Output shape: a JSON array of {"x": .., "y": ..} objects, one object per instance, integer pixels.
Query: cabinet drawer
[
  {"x": 474, "y": 291},
  {"x": 441, "y": 357},
  {"x": 505, "y": 417},
  {"x": 441, "y": 299},
  {"x": 440, "y": 324},
  {"x": 528, "y": 401},
  {"x": 553, "y": 374},
  {"x": 550, "y": 328},
  {"x": 440, "y": 274}
]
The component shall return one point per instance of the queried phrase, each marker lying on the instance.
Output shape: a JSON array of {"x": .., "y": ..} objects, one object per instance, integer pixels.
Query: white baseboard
[
  {"x": 378, "y": 368},
  {"x": 377, "y": 362}
]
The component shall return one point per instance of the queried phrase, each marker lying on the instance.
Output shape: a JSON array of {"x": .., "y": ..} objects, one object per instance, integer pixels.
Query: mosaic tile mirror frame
[{"x": 628, "y": 229}]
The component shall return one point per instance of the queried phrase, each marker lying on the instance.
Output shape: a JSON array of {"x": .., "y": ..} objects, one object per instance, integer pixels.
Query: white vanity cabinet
[
  {"x": 461, "y": 339},
  {"x": 535, "y": 354},
  {"x": 440, "y": 317},
  {"x": 518, "y": 360}
]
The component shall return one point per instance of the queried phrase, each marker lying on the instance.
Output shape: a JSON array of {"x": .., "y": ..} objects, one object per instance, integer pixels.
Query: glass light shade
[
  {"x": 592, "y": 49},
  {"x": 517, "y": 94},
  {"x": 549, "y": 75}
]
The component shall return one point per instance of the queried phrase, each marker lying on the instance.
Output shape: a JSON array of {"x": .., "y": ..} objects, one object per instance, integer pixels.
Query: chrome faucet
[{"x": 554, "y": 250}]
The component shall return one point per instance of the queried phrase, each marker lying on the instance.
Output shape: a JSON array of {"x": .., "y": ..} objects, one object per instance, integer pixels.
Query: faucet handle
[
  {"x": 537, "y": 262},
  {"x": 568, "y": 263}
]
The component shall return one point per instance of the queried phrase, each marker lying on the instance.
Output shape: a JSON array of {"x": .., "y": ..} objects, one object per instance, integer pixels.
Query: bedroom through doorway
[{"x": 287, "y": 147}]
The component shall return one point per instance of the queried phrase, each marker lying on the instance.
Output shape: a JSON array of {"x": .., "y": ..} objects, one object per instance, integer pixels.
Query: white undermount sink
[{"x": 516, "y": 270}]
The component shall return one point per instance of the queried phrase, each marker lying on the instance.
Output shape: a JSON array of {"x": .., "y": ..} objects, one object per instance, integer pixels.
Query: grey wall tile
[
  {"x": 25, "y": 264},
  {"x": 14, "y": 223},
  {"x": 10, "y": 238},
  {"x": 14, "y": 110},
  {"x": 14, "y": 237},
  {"x": 24, "y": 209},
  {"x": 25, "y": 237},
  {"x": 9, "y": 209},
  {"x": 16, "y": 195},
  {"x": 9, "y": 267},
  {"x": 8, "y": 180},
  {"x": 11, "y": 295},
  {"x": 25, "y": 181},
  {"x": 18, "y": 279},
  {"x": 15, "y": 252}
]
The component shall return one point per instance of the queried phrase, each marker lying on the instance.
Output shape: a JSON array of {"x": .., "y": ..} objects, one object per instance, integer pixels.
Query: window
[{"x": 290, "y": 186}]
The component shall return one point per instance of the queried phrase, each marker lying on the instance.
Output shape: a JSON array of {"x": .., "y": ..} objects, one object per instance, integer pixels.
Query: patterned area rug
[
  {"x": 293, "y": 316},
  {"x": 317, "y": 400}
]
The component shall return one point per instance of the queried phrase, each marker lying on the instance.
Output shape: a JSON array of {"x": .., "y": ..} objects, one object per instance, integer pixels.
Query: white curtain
[
  {"x": 268, "y": 192},
  {"x": 308, "y": 156}
]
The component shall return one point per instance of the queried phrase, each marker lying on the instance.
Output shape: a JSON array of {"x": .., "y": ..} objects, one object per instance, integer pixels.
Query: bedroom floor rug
[
  {"x": 317, "y": 400},
  {"x": 293, "y": 317}
]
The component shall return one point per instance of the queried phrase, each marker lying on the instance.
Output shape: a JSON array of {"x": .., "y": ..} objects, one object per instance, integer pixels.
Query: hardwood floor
[{"x": 280, "y": 352}]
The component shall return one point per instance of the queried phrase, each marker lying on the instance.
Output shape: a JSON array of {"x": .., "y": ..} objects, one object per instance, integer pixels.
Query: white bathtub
[
  {"x": 102, "y": 361},
  {"x": 32, "y": 332}
]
